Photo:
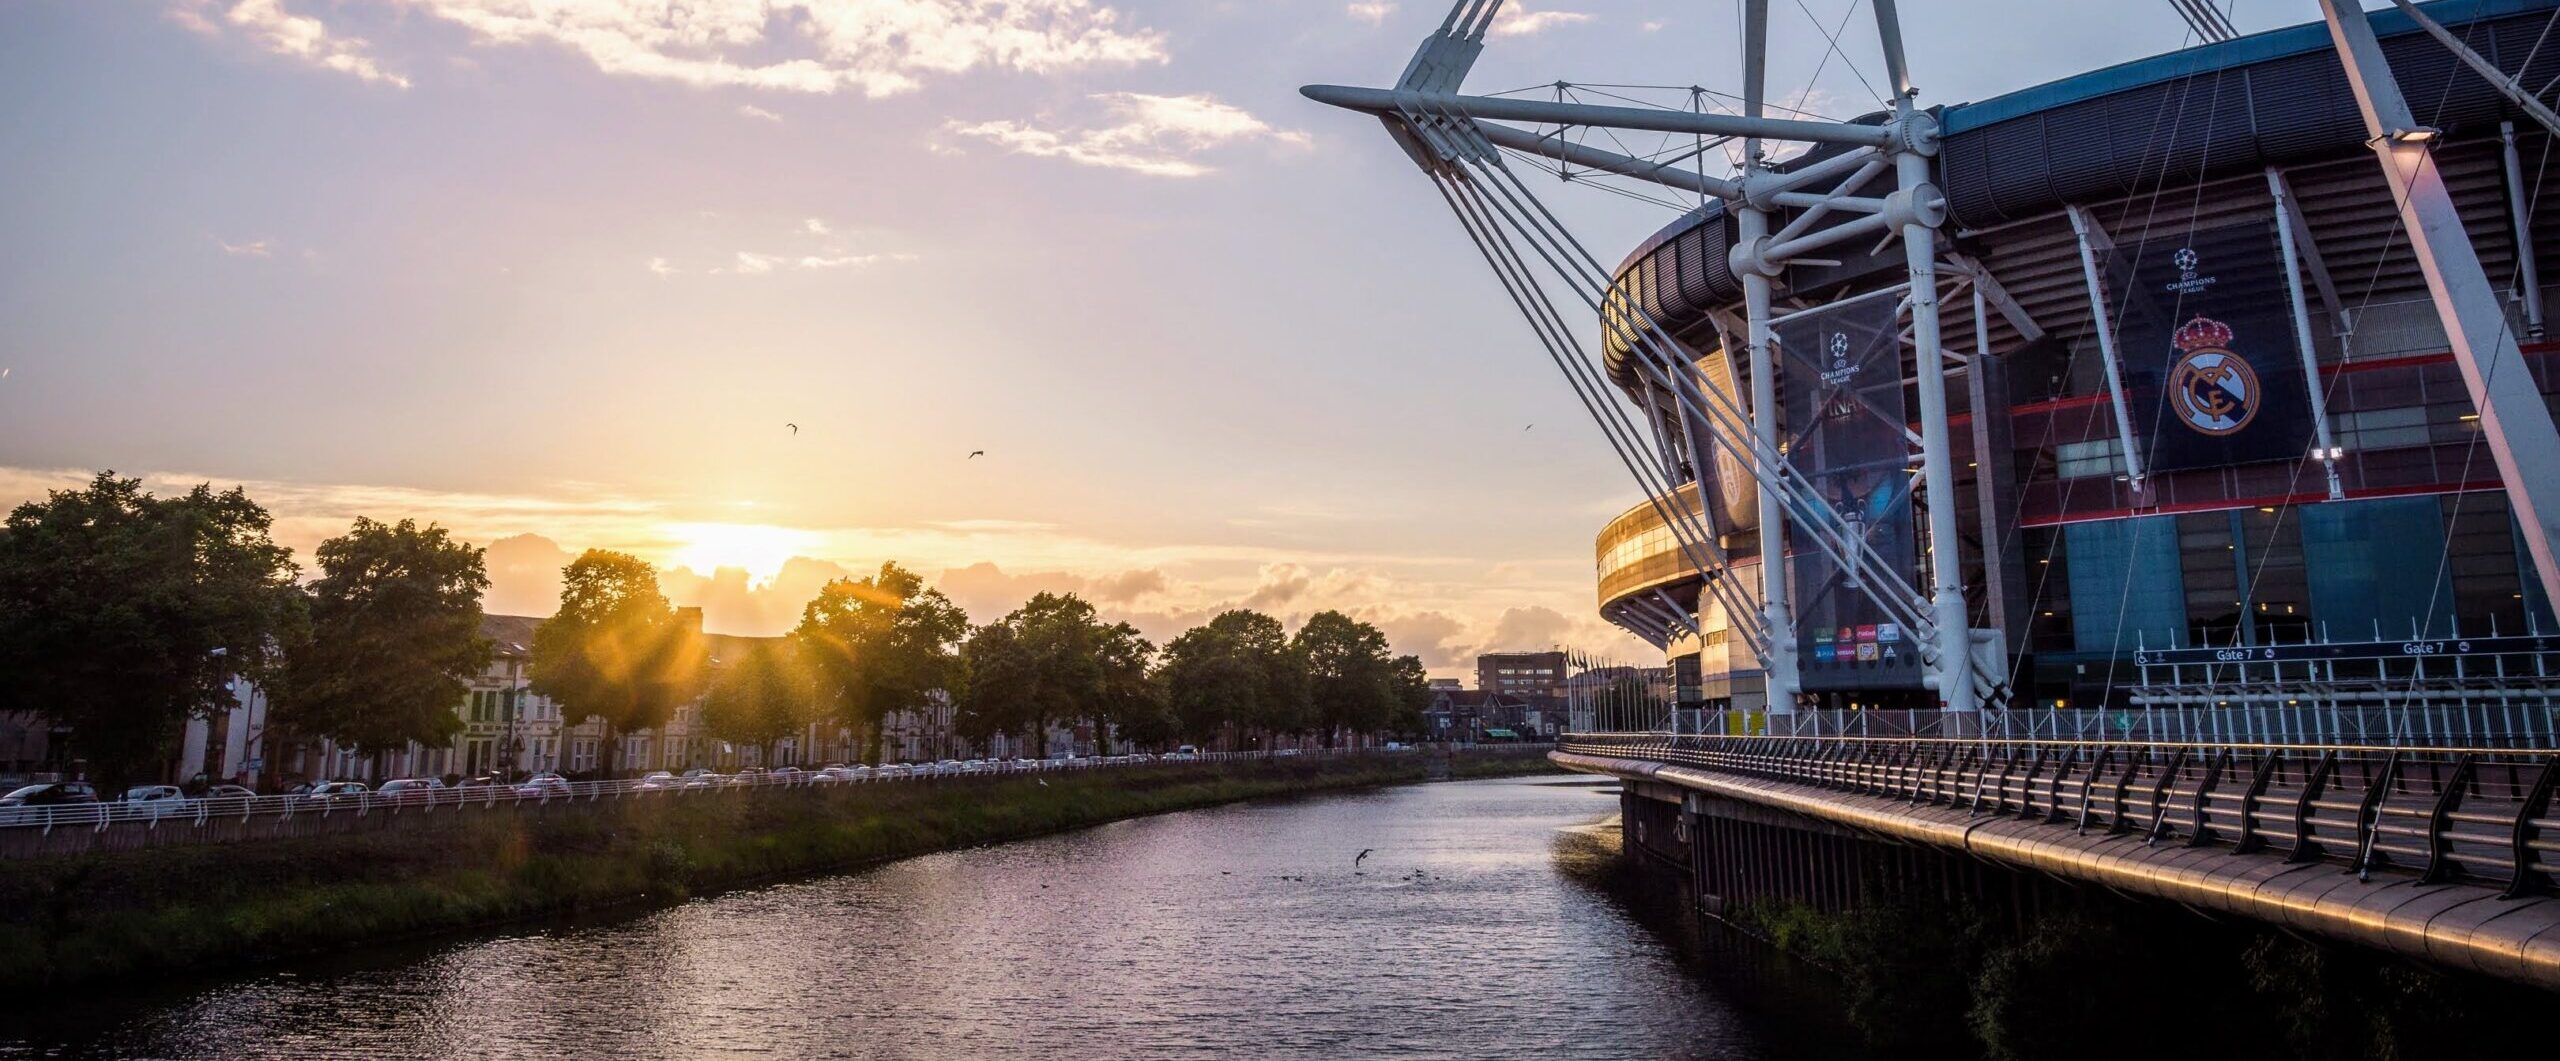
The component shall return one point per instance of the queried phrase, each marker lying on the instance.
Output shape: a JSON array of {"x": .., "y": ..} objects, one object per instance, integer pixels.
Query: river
[{"x": 1475, "y": 927}]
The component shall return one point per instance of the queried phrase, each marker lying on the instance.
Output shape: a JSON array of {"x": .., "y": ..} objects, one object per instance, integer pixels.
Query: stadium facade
[{"x": 2212, "y": 449}]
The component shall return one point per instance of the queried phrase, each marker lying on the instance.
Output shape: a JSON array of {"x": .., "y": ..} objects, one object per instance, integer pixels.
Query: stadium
[{"x": 2212, "y": 463}]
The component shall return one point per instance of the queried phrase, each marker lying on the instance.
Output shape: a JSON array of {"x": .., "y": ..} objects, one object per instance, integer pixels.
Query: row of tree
[{"x": 123, "y": 614}]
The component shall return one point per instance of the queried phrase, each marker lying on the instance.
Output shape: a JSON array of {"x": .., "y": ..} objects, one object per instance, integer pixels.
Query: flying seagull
[
  {"x": 1526, "y": 428},
  {"x": 795, "y": 428},
  {"x": 1364, "y": 853},
  {"x": 976, "y": 453}
]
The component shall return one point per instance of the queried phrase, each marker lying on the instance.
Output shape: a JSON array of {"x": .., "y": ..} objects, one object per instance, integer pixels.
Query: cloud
[
  {"x": 753, "y": 263},
  {"x": 267, "y": 24},
  {"x": 816, "y": 226},
  {"x": 987, "y": 592},
  {"x": 660, "y": 267},
  {"x": 1373, "y": 12},
  {"x": 1153, "y": 135},
  {"x": 750, "y": 110},
  {"x": 1519, "y": 21},
  {"x": 875, "y": 47},
  {"x": 256, "y": 248}
]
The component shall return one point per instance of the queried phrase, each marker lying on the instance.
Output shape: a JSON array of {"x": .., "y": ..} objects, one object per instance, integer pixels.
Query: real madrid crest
[{"x": 2213, "y": 390}]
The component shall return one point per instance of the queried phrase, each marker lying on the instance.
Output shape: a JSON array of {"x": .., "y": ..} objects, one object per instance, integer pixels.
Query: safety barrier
[{"x": 2482, "y": 815}]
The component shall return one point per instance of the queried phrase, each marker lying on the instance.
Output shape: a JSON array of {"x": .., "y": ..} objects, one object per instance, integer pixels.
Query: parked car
[
  {"x": 703, "y": 779},
  {"x": 786, "y": 775},
  {"x": 410, "y": 790},
  {"x": 658, "y": 779},
  {"x": 329, "y": 792},
  {"x": 219, "y": 795},
  {"x": 156, "y": 801},
  {"x": 34, "y": 802},
  {"x": 846, "y": 773},
  {"x": 544, "y": 785}
]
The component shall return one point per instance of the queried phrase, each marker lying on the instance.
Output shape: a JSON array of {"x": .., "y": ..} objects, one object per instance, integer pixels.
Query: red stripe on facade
[{"x": 2261, "y": 502}]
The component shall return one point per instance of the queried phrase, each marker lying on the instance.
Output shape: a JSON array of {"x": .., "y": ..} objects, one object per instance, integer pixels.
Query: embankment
[{"x": 80, "y": 919}]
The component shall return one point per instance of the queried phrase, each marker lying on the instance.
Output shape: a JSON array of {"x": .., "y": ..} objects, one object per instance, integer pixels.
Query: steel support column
[
  {"x": 2513, "y": 417},
  {"x": 1919, "y": 209},
  {"x": 1752, "y": 229},
  {"x": 2327, "y": 451}
]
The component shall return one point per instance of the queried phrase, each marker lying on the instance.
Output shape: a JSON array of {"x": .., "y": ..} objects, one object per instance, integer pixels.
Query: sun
[{"x": 758, "y": 549}]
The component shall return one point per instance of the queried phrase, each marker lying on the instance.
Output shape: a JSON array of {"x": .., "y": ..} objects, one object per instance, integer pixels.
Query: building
[
  {"x": 1470, "y": 716},
  {"x": 2155, "y": 466},
  {"x": 1538, "y": 674}
]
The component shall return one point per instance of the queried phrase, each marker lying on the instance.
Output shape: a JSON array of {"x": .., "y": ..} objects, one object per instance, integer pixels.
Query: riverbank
[{"x": 76, "y": 920}]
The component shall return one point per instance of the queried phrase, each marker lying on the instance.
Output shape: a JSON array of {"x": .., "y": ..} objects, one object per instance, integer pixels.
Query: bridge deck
[{"x": 2444, "y": 855}]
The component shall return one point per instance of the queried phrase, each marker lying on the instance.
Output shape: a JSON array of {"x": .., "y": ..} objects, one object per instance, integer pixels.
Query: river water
[{"x": 1474, "y": 928}]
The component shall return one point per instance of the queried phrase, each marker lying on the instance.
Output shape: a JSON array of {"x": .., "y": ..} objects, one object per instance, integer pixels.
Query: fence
[
  {"x": 2444, "y": 813},
  {"x": 427, "y": 800}
]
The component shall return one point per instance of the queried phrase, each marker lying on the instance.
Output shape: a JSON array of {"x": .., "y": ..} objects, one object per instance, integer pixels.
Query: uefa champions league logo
[
  {"x": 2187, "y": 283},
  {"x": 1841, "y": 371}
]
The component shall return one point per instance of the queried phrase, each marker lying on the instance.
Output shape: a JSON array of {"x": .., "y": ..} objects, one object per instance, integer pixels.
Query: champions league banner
[
  {"x": 2212, "y": 373},
  {"x": 1847, "y": 431}
]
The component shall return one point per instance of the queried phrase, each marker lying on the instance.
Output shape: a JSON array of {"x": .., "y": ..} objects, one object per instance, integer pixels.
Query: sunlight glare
[{"x": 758, "y": 549}]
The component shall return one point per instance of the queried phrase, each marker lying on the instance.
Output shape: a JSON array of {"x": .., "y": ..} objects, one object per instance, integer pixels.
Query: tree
[
  {"x": 760, "y": 696},
  {"x": 1132, "y": 701},
  {"x": 395, "y": 639},
  {"x": 123, "y": 614},
  {"x": 1235, "y": 671},
  {"x": 616, "y": 651},
  {"x": 1350, "y": 679},
  {"x": 881, "y": 644},
  {"x": 1044, "y": 663},
  {"x": 1412, "y": 685}
]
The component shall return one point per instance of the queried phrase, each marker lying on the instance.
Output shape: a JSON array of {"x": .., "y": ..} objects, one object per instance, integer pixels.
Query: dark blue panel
[
  {"x": 2376, "y": 567},
  {"x": 2127, "y": 589}
]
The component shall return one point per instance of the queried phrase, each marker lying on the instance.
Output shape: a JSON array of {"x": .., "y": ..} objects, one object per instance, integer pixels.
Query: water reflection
[{"x": 1242, "y": 929}]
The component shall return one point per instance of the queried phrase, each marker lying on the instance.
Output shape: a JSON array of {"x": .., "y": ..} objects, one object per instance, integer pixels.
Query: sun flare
[{"x": 758, "y": 549}]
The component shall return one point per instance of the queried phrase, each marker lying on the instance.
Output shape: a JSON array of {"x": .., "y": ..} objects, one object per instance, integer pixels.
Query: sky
[{"x": 740, "y": 286}]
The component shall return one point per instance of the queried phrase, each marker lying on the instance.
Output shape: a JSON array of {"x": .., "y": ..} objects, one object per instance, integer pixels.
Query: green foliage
[
  {"x": 1236, "y": 670},
  {"x": 881, "y": 644},
  {"x": 1412, "y": 686},
  {"x": 763, "y": 695},
  {"x": 1352, "y": 684},
  {"x": 123, "y": 614},
  {"x": 1052, "y": 660},
  {"x": 616, "y": 650},
  {"x": 395, "y": 639}
]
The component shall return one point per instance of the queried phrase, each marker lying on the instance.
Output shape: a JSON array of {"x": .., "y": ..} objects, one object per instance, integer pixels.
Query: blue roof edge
[{"x": 2187, "y": 62}]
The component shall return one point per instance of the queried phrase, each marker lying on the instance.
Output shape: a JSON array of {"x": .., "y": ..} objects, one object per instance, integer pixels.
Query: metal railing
[
  {"x": 199, "y": 810},
  {"x": 2442, "y": 813},
  {"x": 2505, "y": 723}
]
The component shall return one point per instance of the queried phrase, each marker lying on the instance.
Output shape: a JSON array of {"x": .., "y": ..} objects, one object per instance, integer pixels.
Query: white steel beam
[
  {"x": 2086, "y": 229},
  {"x": 2327, "y": 451},
  {"x": 2520, "y": 214},
  {"x": 1555, "y": 146},
  {"x": 2311, "y": 259},
  {"x": 1752, "y": 228},
  {"x": 1922, "y": 211},
  {"x": 1382, "y": 102},
  {"x": 2513, "y": 417},
  {"x": 2504, "y": 82}
]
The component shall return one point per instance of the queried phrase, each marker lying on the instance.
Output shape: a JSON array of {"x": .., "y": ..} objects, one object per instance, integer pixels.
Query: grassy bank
[
  {"x": 78, "y": 920},
  {"x": 2126, "y": 979}
]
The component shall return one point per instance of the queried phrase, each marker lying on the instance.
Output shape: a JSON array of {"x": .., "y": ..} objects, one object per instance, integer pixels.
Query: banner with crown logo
[{"x": 2213, "y": 374}]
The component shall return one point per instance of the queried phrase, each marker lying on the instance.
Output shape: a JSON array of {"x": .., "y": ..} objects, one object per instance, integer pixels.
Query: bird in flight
[
  {"x": 976, "y": 453},
  {"x": 795, "y": 428},
  {"x": 1364, "y": 853},
  {"x": 1526, "y": 428}
]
